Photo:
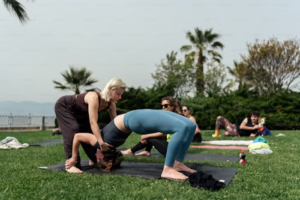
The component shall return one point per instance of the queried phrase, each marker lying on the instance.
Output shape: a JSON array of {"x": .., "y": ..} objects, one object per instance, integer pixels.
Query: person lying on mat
[
  {"x": 158, "y": 140},
  {"x": 142, "y": 122},
  {"x": 248, "y": 127},
  {"x": 187, "y": 113},
  {"x": 79, "y": 113}
]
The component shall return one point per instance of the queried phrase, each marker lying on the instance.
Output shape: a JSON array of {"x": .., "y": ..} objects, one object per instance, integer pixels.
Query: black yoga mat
[
  {"x": 193, "y": 156},
  {"x": 46, "y": 143},
  {"x": 153, "y": 170}
]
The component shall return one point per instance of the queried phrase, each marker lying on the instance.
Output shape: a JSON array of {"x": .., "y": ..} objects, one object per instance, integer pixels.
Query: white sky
[{"x": 124, "y": 38}]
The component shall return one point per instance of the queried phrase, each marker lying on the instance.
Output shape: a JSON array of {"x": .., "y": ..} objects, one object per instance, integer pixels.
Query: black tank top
[
  {"x": 82, "y": 106},
  {"x": 243, "y": 132}
]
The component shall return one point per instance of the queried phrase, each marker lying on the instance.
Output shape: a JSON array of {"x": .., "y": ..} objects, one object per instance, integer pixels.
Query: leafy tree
[
  {"x": 241, "y": 74},
  {"x": 204, "y": 44},
  {"x": 76, "y": 79},
  {"x": 16, "y": 8},
  {"x": 176, "y": 73},
  {"x": 215, "y": 78},
  {"x": 273, "y": 65}
]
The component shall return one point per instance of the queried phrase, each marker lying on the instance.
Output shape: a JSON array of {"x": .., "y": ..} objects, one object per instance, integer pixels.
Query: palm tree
[
  {"x": 203, "y": 44},
  {"x": 16, "y": 8},
  {"x": 75, "y": 80}
]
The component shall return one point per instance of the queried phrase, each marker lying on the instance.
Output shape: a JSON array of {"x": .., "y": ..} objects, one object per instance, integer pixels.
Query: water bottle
[{"x": 242, "y": 158}]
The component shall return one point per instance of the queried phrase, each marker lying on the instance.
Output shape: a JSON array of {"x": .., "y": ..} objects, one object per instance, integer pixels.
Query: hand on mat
[
  {"x": 74, "y": 169},
  {"x": 70, "y": 163},
  {"x": 105, "y": 146}
]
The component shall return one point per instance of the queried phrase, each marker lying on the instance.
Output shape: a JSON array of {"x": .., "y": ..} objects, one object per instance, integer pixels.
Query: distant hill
[{"x": 26, "y": 107}]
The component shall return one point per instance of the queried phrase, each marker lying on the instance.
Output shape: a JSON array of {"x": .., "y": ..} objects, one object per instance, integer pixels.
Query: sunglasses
[
  {"x": 165, "y": 105},
  {"x": 184, "y": 110}
]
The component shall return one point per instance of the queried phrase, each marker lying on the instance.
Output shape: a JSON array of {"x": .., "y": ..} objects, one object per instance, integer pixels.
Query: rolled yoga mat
[
  {"x": 198, "y": 157},
  {"x": 219, "y": 147},
  {"x": 229, "y": 142},
  {"x": 47, "y": 143},
  {"x": 153, "y": 170}
]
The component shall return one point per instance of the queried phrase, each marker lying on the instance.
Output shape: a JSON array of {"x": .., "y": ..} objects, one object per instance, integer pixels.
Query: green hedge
[{"x": 281, "y": 110}]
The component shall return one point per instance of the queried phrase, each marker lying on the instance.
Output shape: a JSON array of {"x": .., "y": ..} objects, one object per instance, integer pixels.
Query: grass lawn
[{"x": 274, "y": 176}]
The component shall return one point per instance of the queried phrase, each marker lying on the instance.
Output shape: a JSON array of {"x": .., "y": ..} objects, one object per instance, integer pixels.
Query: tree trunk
[
  {"x": 200, "y": 75},
  {"x": 77, "y": 90}
]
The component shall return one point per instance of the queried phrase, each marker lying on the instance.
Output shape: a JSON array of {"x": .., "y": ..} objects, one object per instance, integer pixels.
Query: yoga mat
[
  {"x": 219, "y": 147},
  {"x": 153, "y": 170},
  {"x": 47, "y": 143},
  {"x": 201, "y": 157},
  {"x": 229, "y": 142}
]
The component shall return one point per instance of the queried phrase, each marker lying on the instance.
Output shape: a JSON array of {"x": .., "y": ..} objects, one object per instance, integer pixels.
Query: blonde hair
[{"x": 113, "y": 84}]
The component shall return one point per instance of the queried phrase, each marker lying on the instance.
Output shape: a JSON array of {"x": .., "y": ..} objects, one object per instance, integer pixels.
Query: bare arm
[
  {"x": 93, "y": 106},
  {"x": 152, "y": 135},
  {"x": 112, "y": 111},
  {"x": 82, "y": 137},
  {"x": 197, "y": 128},
  {"x": 244, "y": 127}
]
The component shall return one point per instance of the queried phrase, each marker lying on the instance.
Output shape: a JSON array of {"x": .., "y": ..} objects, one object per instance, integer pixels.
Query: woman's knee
[{"x": 192, "y": 127}]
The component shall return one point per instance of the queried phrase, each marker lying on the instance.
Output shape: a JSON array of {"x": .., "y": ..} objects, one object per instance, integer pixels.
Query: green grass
[{"x": 274, "y": 176}]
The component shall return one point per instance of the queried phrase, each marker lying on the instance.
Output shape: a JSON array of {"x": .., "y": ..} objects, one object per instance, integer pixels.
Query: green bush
[{"x": 281, "y": 110}]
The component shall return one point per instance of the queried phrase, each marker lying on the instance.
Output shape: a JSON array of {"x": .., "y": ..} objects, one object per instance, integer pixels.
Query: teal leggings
[{"x": 147, "y": 121}]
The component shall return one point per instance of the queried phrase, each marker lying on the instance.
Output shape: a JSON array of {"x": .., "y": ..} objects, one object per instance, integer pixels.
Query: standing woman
[
  {"x": 79, "y": 114},
  {"x": 197, "y": 134}
]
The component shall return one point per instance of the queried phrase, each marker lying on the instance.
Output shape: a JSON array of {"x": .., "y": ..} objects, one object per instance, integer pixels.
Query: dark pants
[
  {"x": 197, "y": 138},
  {"x": 159, "y": 143},
  {"x": 68, "y": 119}
]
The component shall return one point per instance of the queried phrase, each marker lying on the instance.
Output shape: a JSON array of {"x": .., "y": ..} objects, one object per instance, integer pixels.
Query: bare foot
[
  {"x": 91, "y": 163},
  {"x": 143, "y": 153},
  {"x": 74, "y": 169},
  {"x": 171, "y": 174},
  {"x": 179, "y": 166},
  {"x": 70, "y": 163},
  {"x": 127, "y": 152}
]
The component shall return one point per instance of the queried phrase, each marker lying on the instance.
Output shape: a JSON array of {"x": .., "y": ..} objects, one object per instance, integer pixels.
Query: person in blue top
[{"x": 157, "y": 140}]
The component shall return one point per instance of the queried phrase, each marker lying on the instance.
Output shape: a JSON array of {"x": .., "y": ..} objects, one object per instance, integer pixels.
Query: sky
[{"x": 124, "y": 39}]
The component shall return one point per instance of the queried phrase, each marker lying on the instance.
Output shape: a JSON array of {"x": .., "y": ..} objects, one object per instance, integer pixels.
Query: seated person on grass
[
  {"x": 142, "y": 122},
  {"x": 197, "y": 134},
  {"x": 248, "y": 127}
]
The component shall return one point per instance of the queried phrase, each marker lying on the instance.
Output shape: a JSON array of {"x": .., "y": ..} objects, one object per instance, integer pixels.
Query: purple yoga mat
[{"x": 218, "y": 147}]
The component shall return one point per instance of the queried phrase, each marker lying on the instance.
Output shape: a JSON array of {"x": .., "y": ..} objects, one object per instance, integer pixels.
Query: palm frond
[
  {"x": 185, "y": 48},
  {"x": 217, "y": 44},
  {"x": 60, "y": 86},
  {"x": 191, "y": 37},
  {"x": 16, "y": 8},
  {"x": 200, "y": 36},
  {"x": 75, "y": 79}
]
